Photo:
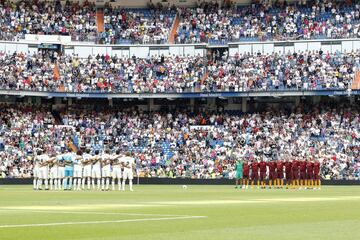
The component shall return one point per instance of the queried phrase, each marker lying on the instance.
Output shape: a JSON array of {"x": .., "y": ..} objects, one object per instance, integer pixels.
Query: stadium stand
[
  {"x": 184, "y": 143},
  {"x": 208, "y": 22},
  {"x": 48, "y": 18},
  {"x": 158, "y": 74},
  {"x": 267, "y": 20}
]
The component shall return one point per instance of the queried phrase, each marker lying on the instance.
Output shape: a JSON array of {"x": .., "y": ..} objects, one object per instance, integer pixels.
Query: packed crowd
[
  {"x": 269, "y": 20},
  {"x": 100, "y": 73},
  {"x": 208, "y": 22},
  {"x": 142, "y": 26},
  {"x": 48, "y": 18},
  {"x": 303, "y": 70},
  {"x": 157, "y": 74},
  {"x": 184, "y": 144}
]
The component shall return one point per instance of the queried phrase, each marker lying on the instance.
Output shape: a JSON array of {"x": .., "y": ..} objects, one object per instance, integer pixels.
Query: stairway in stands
[
  {"x": 72, "y": 144},
  {"x": 57, "y": 77},
  {"x": 356, "y": 83},
  {"x": 174, "y": 29},
  {"x": 167, "y": 150},
  {"x": 100, "y": 20}
]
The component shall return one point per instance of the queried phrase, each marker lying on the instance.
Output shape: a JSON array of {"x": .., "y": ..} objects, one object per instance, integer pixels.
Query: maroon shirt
[
  {"x": 295, "y": 166},
  {"x": 309, "y": 167},
  {"x": 262, "y": 166},
  {"x": 288, "y": 166},
  {"x": 246, "y": 169},
  {"x": 316, "y": 167},
  {"x": 255, "y": 166},
  {"x": 279, "y": 166},
  {"x": 272, "y": 166},
  {"x": 302, "y": 166}
]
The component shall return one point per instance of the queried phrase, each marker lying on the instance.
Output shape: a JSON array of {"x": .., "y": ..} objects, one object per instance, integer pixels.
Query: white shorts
[
  {"x": 87, "y": 171},
  {"x": 78, "y": 171},
  {"x": 96, "y": 172},
  {"x": 128, "y": 173},
  {"x": 36, "y": 172},
  {"x": 44, "y": 172},
  {"x": 116, "y": 172},
  {"x": 54, "y": 172},
  {"x": 61, "y": 172},
  {"x": 106, "y": 171}
]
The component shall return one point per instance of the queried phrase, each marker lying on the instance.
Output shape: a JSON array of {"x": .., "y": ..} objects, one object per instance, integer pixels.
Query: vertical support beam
[
  {"x": 111, "y": 103},
  {"x": 211, "y": 104},
  {"x": 192, "y": 104},
  {"x": 57, "y": 101},
  {"x": 297, "y": 101},
  {"x": 151, "y": 104},
  {"x": 28, "y": 100},
  {"x": 38, "y": 101},
  {"x": 69, "y": 101},
  {"x": 352, "y": 100},
  {"x": 244, "y": 105}
]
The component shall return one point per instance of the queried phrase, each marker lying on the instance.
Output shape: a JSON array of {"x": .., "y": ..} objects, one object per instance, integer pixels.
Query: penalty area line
[{"x": 99, "y": 222}]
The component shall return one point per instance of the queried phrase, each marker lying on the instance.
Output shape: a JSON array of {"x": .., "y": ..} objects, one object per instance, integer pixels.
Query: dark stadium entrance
[
  {"x": 50, "y": 50},
  {"x": 217, "y": 53}
]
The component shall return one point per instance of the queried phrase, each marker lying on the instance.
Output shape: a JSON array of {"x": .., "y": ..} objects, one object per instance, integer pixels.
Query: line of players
[
  {"x": 297, "y": 173},
  {"x": 69, "y": 171}
]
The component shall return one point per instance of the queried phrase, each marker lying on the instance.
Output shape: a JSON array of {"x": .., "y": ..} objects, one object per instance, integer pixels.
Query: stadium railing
[{"x": 84, "y": 49}]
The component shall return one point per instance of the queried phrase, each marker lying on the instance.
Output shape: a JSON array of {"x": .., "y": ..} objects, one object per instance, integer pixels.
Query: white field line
[
  {"x": 92, "y": 213},
  {"x": 99, "y": 222},
  {"x": 260, "y": 200}
]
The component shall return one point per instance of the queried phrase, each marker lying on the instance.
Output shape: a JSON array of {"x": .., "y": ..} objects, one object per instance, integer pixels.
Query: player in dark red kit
[
  {"x": 302, "y": 166},
  {"x": 288, "y": 173},
  {"x": 317, "y": 175},
  {"x": 246, "y": 174},
  {"x": 310, "y": 173},
  {"x": 262, "y": 166},
  {"x": 272, "y": 173},
  {"x": 279, "y": 174},
  {"x": 255, "y": 173},
  {"x": 295, "y": 173}
]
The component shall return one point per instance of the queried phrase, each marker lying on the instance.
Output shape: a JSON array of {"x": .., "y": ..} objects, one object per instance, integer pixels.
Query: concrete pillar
[
  {"x": 297, "y": 101},
  {"x": 316, "y": 99},
  {"x": 111, "y": 103},
  {"x": 352, "y": 100},
  {"x": 69, "y": 101},
  {"x": 151, "y": 104},
  {"x": 38, "y": 101},
  {"x": 211, "y": 103},
  {"x": 192, "y": 104},
  {"x": 28, "y": 100},
  {"x": 58, "y": 101},
  {"x": 244, "y": 105}
]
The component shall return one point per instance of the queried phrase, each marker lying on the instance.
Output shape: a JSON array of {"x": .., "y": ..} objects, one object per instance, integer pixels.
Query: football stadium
[{"x": 179, "y": 119}]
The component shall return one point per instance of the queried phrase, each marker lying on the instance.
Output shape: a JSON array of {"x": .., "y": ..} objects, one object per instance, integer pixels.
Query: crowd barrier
[
  {"x": 84, "y": 49},
  {"x": 274, "y": 93}
]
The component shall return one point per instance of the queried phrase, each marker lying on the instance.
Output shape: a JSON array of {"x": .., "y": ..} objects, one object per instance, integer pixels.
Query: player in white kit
[
  {"x": 44, "y": 171},
  {"x": 36, "y": 170},
  {"x": 87, "y": 169},
  {"x": 116, "y": 170},
  {"x": 129, "y": 164},
  {"x": 54, "y": 169},
  {"x": 61, "y": 170},
  {"x": 106, "y": 170},
  {"x": 96, "y": 170},
  {"x": 78, "y": 171}
]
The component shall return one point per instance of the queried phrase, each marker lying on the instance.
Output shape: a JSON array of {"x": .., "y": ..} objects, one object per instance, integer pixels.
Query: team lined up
[
  {"x": 297, "y": 173},
  {"x": 70, "y": 171}
]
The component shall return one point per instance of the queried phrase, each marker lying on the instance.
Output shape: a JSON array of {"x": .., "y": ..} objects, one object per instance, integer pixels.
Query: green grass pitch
[{"x": 171, "y": 212}]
